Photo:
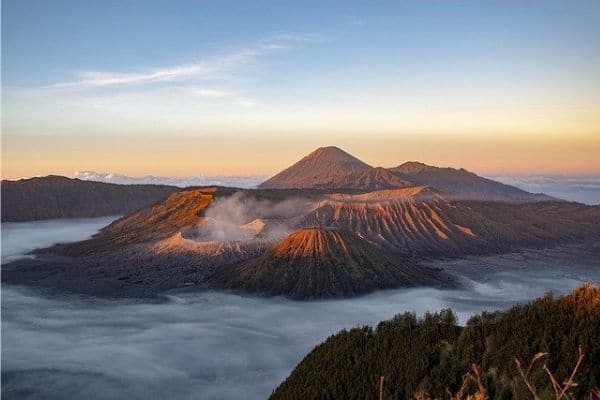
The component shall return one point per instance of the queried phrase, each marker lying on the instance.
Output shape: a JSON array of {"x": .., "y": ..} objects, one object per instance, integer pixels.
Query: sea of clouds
[
  {"x": 221, "y": 180},
  {"x": 215, "y": 345},
  {"x": 583, "y": 189}
]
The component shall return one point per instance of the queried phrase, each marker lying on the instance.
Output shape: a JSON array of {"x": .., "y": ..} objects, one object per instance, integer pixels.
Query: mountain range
[
  {"x": 332, "y": 168},
  {"x": 327, "y": 168},
  {"x": 328, "y": 226}
]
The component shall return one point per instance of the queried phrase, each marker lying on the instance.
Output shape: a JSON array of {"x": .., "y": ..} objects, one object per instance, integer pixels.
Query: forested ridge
[{"x": 431, "y": 354}]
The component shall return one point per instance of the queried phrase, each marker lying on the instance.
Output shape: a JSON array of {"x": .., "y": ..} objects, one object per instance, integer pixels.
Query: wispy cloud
[{"x": 200, "y": 69}]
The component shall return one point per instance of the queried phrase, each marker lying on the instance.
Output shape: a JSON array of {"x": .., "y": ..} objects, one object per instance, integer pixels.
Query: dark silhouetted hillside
[
  {"x": 60, "y": 197},
  {"x": 461, "y": 184}
]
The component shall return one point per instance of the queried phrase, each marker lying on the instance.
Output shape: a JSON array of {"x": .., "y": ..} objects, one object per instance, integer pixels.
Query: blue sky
[
  {"x": 46, "y": 42},
  {"x": 339, "y": 70}
]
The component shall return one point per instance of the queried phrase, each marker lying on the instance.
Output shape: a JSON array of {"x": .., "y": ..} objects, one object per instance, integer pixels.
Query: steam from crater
[{"x": 243, "y": 217}]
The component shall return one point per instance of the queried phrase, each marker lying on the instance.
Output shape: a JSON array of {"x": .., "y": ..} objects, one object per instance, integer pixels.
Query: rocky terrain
[
  {"x": 60, "y": 197},
  {"x": 421, "y": 222},
  {"x": 303, "y": 243},
  {"x": 207, "y": 237}
]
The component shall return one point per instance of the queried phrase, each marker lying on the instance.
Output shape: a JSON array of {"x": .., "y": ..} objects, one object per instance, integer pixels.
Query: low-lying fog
[
  {"x": 584, "y": 189},
  {"x": 18, "y": 238},
  {"x": 214, "y": 345}
]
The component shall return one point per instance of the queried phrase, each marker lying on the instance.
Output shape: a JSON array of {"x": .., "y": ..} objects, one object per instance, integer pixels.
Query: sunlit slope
[
  {"x": 314, "y": 262},
  {"x": 158, "y": 221},
  {"x": 419, "y": 221}
]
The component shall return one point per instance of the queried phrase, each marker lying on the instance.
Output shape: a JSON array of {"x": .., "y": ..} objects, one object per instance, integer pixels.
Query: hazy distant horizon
[
  {"x": 218, "y": 345},
  {"x": 581, "y": 188}
]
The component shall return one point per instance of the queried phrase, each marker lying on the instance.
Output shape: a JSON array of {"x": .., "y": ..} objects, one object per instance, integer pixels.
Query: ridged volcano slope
[
  {"x": 163, "y": 219},
  {"x": 316, "y": 263},
  {"x": 420, "y": 222}
]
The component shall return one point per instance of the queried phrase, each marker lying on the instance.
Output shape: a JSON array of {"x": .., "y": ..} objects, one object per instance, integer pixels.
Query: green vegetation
[{"x": 431, "y": 354}]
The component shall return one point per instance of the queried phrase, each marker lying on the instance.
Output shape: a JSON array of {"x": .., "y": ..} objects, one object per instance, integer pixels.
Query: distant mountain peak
[
  {"x": 335, "y": 154},
  {"x": 333, "y": 168},
  {"x": 330, "y": 167},
  {"x": 326, "y": 167}
]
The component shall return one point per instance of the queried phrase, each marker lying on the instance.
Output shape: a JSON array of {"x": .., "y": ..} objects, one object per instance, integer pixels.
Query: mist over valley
[{"x": 220, "y": 345}]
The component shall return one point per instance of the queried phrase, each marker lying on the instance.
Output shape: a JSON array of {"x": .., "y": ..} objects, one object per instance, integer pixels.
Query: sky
[{"x": 182, "y": 88}]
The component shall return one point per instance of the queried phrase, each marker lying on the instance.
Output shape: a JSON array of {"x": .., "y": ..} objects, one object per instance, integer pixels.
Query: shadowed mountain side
[
  {"x": 315, "y": 263},
  {"x": 136, "y": 270},
  {"x": 461, "y": 184},
  {"x": 532, "y": 224},
  {"x": 60, "y": 197}
]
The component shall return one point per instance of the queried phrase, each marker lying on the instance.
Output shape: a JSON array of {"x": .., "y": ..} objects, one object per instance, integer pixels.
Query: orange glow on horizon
[{"x": 26, "y": 156}]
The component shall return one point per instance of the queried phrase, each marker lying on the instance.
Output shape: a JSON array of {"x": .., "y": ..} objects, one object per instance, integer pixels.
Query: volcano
[
  {"x": 333, "y": 168},
  {"x": 320, "y": 263},
  {"x": 324, "y": 168}
]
